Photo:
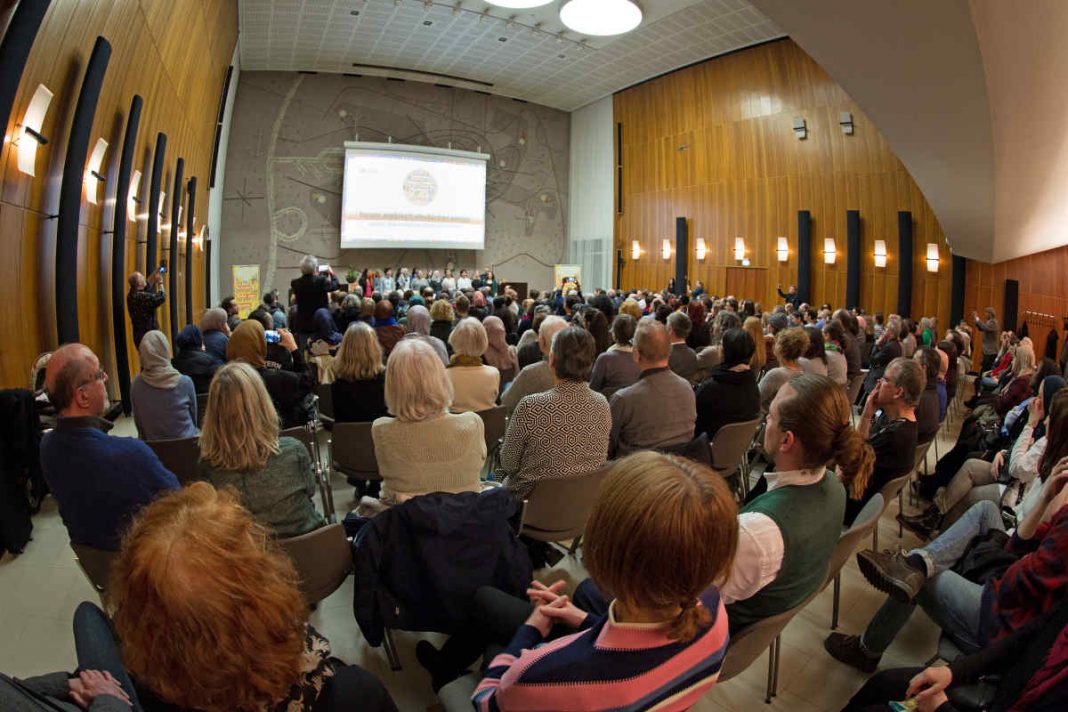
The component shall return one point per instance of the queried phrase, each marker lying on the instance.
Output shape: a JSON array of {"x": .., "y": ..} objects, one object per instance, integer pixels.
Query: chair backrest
[
  {"x": 323, "y": 558},
  {"x": 493, "y": 422},
  {"x": 696, "y": 450},
  {"x": 866, "y": 520},
  {"x": 730, "y": 444},
  {"x": 352, "y": 451},
  {"x": 180, "y": 456},
  {"x": 751, "y": 642},
  {"x": 891, "y": 488},
  {"x": 202, "y": 408},
  {"x": 96, "y": 564},
  {"x": 325, "y": 392},
  {"x": 557, "y": 509},
  {"x": 302, "y": 434},
  {"x": 921, "y": 454},
  {"x": 855, "y": 384}
]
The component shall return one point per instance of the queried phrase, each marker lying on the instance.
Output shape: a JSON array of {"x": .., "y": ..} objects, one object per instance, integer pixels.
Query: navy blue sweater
[{"x": 100, "y": 481}]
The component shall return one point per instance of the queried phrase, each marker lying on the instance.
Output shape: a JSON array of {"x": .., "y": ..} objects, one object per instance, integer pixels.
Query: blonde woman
[
  {"x": 424, "y": 448},
  {"x": 441, "y": 319},
  {"x": 474, "y": 384},
  {"x": 359, "y": 387},
  {"x": 755, "y": 328},
  {"x": 240, "y": 448},
  {"x": 790, "y": 345}
]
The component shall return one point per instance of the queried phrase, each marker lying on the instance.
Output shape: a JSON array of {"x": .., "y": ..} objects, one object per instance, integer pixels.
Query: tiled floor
[{"x": 40, "y": 589}]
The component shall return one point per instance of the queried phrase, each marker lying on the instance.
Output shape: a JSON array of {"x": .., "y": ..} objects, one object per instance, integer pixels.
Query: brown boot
[
  {"x": 924, "y": 524},
  {"x": 891, "y": 573}
]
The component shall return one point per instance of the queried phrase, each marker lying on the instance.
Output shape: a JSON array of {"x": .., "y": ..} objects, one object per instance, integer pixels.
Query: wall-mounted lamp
[
  {"x": 932, "y": 257},
  {"x": 163, "y": 212},
  {"x": 739, "y": 248},
  {"x": 635, "y": 249},
  {"x": 880, "y": 253},
  {"x": 829, "y": 251},
  {"x": 28, "y": 134},
  {"x": 800, "y": 128},
  {"x": 198, "y": 241},
  {"x": 702, "y": 249},
  {"x": 845, "y": 120},
  {"x": 93, "y": 177},
  {"x": 665, "y": 249},
  {"x": 783, "y": 249},
  {"x": 132, "y": 201}
]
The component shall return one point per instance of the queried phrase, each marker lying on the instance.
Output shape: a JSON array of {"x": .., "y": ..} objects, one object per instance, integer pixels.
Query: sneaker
[
  {"x": 847, "y": 649},
  {"x": 891, "y": 573}
]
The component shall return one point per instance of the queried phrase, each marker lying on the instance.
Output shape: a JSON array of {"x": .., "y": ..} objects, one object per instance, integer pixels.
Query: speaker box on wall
[
  {"x": 118, "y": 254},
  {"x": 904, "y": 274},
  {"x": 191, "y": 192},
  {"x": 70, "y": 193},
  {"x": 956, "y": 309},
  {"x": 1012, "y": 304},
  {"x": 804, "y": 254},
  {"x": 15, "y": 48},
  {"x": 852, "y": 259},
  {"x": 207, "y": 272},
  {"x": 152, "y": 228},
  {"x": 172, "y": 268},
  {"x": 682, "y": 253}
]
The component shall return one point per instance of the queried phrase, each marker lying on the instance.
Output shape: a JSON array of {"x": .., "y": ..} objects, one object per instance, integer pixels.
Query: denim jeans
[
  {"x": 97, "y": 648},
  {"x": 951, "y": 600}
]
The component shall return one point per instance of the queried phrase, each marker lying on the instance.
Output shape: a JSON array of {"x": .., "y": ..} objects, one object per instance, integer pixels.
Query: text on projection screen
[{"x": 398, "y": 199}]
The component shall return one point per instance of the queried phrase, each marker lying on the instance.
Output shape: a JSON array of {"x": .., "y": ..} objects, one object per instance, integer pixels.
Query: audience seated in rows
[
  {"x": 164, "y": 401},
  {"x": 192, "y": 360},
  {"x": 289, "y": 390},
  {"x": 617, "y": 367},
  {"x": 730, "y": 394},
  {"x": 538, "y": 376},
  {"x": 475, "y": 385}
]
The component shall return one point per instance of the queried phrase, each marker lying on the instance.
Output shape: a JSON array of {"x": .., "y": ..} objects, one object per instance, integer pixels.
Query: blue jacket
[{"x": 100, "y": 481}]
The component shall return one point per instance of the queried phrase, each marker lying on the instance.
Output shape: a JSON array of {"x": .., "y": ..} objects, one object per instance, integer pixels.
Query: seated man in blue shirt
[{"x": 99, "y": 481}]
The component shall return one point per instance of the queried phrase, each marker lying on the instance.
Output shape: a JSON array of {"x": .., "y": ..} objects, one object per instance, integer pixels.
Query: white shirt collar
[{"x": 806, "y": 476}]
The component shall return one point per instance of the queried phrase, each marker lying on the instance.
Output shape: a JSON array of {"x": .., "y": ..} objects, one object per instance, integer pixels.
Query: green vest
[{"x": 810, "y": 520}]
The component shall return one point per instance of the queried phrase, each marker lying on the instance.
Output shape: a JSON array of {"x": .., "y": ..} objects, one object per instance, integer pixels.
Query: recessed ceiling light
[
  {"x": 519, "y": 4},
  {"x": 601, "y": 18}
]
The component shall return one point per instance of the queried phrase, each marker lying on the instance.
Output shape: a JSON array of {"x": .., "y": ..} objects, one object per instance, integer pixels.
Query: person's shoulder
[{"x": 290, "y": 445}]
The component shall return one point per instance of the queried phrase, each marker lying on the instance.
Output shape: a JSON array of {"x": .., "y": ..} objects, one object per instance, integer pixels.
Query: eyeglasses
[{"x": 98, "y": 376}]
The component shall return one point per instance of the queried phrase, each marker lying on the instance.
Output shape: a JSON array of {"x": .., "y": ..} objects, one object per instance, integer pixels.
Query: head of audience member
[
  {"x": 478, "y": 300},
  {"x": 848, "y": 321},
  {"x": 75, "y": 383},
  {"x": 755, "y": 329},
  {"x": 224, "y": 592},
  {"x": 309, "y": 265},
  {"x": 418, "y": 320},
  {"x": 367, "y": 308},
  {"x": 595, "y": 322},
  {"x": 930, "y": 362},
  {"x": 136, "y": 281},
  {"x": 738, "y": 347},
  {"x": 326, "y": 328},
  {"x": 1048, "y": 367},
  {"x": 1023, "y": 361},
  {"x": 696, "y": 311},
  {"x": 630, "y": 308},
  {"x": 603, "y": 303},
  {"x": 214, "y": 319},
  {"x": 249, "y": 344},
  {"x": 834, "y": 334},
  {"x": 790, "y": 345},
  {"x": 724, "y": 321},
  {"x": 623, "y": 328},
  {"x": 814, "y": 351},
  {"x": 441, "y": 310},
  {"x": 572, "y": 355},
  {"x": 652, "y": 344},
  {"x": 900, "y": 388},
  {"x": 155, "y": 354},
  {"x": 262, "y": 316},
  {"x": 462, "y": 306},
  {"x": 351, "y": 304},
  {"x": 1055, "y": 399},
  {"x": 468, "y": 338},
  {"x": 417, "y": 387},
  {"x": 359, "y": 358},
  {"x": 777, "y": 322},
  {"x": 189, "y": 339},
  {"x": 662, "y": 312},
  {"x": 550, "y": 325},
  {"x": 384, "y": 313},
  {"x": 229, "y": 305},
  {"x": 240, "y": 430},
  {"x": 809, "y": 423},
  {"x": 656, "y": 565}
]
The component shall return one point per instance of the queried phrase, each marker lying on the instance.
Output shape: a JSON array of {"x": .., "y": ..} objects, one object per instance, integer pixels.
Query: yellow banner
[
  {"x": 567, "y": 277},
  {"x": 246, "y": 285}
]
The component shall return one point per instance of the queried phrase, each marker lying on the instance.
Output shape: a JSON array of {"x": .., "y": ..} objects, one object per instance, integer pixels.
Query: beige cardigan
[{"x": 474, "y": 387}]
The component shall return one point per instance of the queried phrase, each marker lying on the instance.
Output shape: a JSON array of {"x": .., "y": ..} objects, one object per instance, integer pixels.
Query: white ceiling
[{"x": 538, "y": 61}]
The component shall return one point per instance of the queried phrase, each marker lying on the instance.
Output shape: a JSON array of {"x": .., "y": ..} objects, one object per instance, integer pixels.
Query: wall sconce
[
  {"x": 163, "y": 212},
  {"x": 880, "y": 253},
  {"x": 783, "y": 249},
  {"x": 845, "y": 120},
  {"x": 28, "y": 134},
  {"x": 93, "y": 178},
  {"x": 665, "y": 249},
  {"x": 829, "y": 251},
  {"x": 635, "y": 249},
  {"x": 800, "y": 128},
  {"x": 932, "y": 257},
  {"x": 132, "y": 201},
  {"x": 198, "y": 241},
  {"x": 702, "y": 249},
  {"x": 739, "y": 248}
]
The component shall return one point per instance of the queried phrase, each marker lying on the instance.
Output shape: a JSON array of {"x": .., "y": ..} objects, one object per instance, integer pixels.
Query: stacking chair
[
  {"x": 696, "y": 450},
  {"x": 494, "y": 422},
  {"x": 729, "y": 447},
  {"x": 322, "y": 557},
  {"x": 180, "y": 456},
  {"x": 894, "y": 488},
  {"x": 306, "y": 434},
  {"x": 326, "y": 405},
  {"x": 865, "y": 522},
  {"x": 747, "y": 645},
  {"x": 96, "y": 565},
  {"x": 853, "y": 392},
  {"x": 557, "y": 509},
  {"x": 352, "y": 452}
]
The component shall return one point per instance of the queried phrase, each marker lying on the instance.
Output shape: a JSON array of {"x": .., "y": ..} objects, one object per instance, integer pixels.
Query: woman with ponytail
[{"x": 658, "y": 571}]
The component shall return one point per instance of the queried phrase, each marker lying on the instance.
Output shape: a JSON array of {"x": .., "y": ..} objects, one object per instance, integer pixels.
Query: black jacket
[
  {"x": 198, "y": 365},
  {"x": 312, "y": 292},
  {"x": 290, "y": 391},
  {"x": 418, "y": 564},
  {"x": 726, "y": 397},
  {"x": 359, "y": 401},
  {"x": 20, "y": 465}
]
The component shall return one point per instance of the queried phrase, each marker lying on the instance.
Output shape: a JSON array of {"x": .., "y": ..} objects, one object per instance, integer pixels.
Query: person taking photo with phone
[{"x": 144, "y": 298}]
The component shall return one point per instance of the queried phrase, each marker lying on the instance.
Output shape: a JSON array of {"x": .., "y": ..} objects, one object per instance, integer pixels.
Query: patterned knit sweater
[{"x": 608, "y": 666}]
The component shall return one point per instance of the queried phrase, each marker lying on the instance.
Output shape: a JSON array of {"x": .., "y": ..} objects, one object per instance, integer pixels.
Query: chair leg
[
  {"x": 875, "y": 537},
  {"x": 771, "y": 673},
  {"x": 901, "y": 510},
  {"x": 391, "y": 650},
  {"x": 575, "y": 544},
  {"x": 837, "y": 600}
]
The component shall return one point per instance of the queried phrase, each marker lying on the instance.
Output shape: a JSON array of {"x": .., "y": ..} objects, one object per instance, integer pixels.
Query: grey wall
[{"x": 282, "y": 191}]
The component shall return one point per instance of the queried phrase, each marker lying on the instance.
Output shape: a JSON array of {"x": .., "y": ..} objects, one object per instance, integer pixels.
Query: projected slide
[{"x": 410, "y": 196}]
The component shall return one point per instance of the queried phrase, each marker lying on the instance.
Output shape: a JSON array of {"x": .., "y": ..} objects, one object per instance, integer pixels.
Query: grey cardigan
[
  {"x": 614, "y": 369},
  {"x": 55, "y": 687},
  {"x": 657, "y": 411}
]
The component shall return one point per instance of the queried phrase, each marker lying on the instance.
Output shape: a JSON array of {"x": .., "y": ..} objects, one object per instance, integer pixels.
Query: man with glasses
[{"x": 99, "y": 481}]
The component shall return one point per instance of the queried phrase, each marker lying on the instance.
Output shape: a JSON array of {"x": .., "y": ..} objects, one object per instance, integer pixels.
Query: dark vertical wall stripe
[
  {"x": 152, "y": 230},
  {"x": 207, "y": 273},
  {"x": 172, "y": 262},
  {"x": 956, "y": 310},
  {"x": 70, "y": 193},
  {"x": 118, "y": 253},
  {"x": 15, "y": 48},
  {"x": 218, "y": 125},
  {"x": 189, "y": 209},
  {"x": 804, "y": 254},
  {"x": 852, "y": 259},
  {"x": 682, "y": 253},
  {"x": 1012, "y": 305},
  {"x": 904, "y": 274}
]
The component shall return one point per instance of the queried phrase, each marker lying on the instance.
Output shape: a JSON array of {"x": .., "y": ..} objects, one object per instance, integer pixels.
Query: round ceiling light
[
  {"x": 519, "y": 4},
  {"x": 601, "y": 18}
]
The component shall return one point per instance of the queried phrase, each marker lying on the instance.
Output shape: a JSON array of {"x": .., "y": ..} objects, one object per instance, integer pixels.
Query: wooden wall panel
[
  {"x": 174, "y": 54},
  {"x": 714, "y": 143}
]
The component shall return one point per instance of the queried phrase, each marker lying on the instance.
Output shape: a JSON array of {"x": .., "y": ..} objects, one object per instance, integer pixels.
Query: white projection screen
[{"x": 398, "y": 196}]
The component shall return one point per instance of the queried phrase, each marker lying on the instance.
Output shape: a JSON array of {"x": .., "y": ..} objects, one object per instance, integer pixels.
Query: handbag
[{"x": 985, "y": 559}]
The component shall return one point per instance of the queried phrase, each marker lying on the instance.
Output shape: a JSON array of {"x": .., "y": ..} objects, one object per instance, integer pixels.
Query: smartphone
[
  {"x": 324, "y": 268},
  {"x": 163, "y": 266},
  {"x": 273, "y": 337}
]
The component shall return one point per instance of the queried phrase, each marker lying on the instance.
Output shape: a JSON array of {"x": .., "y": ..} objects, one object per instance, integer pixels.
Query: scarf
[
  {"x": 190, "y": 338},
  {"x": 418, "y": 320},
  {"x": 499, "y": 354},
  {"x": 249, "y": 344},
  {"x": 213, "y": 320},
  {"x": 156, "y": 368},
  {"x": 461, "y": 361},
  {"x": 325, "y": 328}
]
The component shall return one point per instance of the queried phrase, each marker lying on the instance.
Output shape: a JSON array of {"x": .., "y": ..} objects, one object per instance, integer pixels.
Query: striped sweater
[{"x": 608, "y": 666}]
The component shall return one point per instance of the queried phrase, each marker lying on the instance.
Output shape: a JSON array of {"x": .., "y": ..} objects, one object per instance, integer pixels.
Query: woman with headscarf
[
  {"x": 418, "y": 324},
  {"x": 164, "y": 401},
  {"x": 386, "y": 327},
  {"x": 478, "y": 305},
  {"x": 191, "y": 359},
  {"x": 327, "y": 337},
  {"x": 289, "y": 389},
  {"x": 498, "y": 353},
  {"x": 216, "y": 332}
]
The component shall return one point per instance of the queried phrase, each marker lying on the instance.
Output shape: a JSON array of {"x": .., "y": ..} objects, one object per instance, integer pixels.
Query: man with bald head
[
  {"x": 99, "y": 481},
  {"x": 144, "y": 299},
  {"x": 660, "y": 409}
]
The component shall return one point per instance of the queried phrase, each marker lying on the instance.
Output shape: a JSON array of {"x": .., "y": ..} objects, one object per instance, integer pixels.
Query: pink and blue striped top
[{"x": 608, "y": 666}]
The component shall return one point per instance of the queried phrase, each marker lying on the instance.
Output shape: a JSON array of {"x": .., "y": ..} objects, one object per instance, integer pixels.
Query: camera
[{"x": 273, "y": 337}]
